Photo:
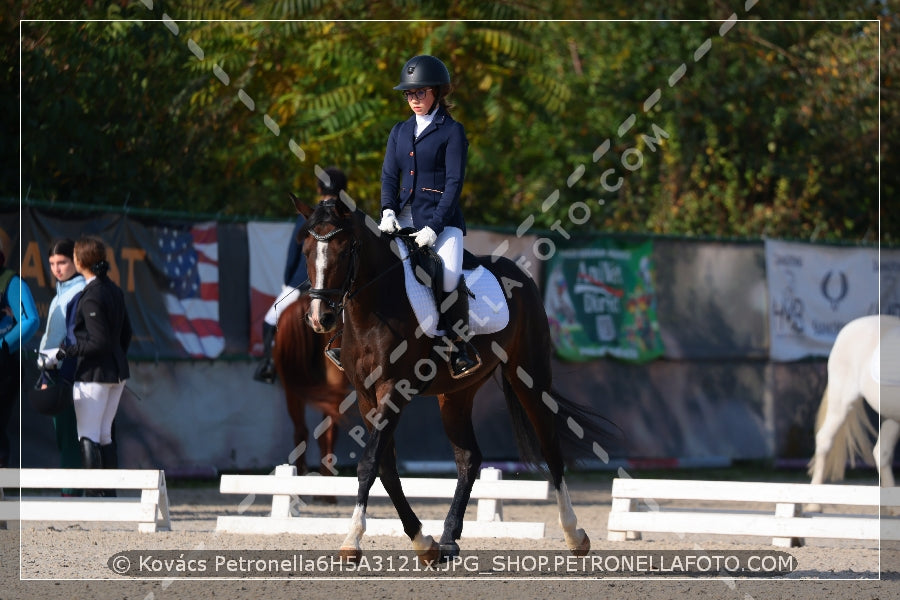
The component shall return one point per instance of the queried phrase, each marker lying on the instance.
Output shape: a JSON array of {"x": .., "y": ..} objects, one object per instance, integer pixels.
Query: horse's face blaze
[{"x": 328, "y": 264}]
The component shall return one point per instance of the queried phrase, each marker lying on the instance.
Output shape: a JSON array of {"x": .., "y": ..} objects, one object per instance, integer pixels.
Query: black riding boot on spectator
[
  {"x": 109, "y": 458},
  {"x": 265, "y": 371},
  {"x": 91, "y": 459},
  {"x": 461, "y": 364}
]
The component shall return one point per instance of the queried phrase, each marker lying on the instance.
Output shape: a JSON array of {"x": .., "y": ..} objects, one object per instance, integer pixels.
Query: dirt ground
[{"x": 71, "y": 560}]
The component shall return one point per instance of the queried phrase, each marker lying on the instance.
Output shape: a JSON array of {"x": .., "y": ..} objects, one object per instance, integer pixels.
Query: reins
[{"x": 345, "y": 292}]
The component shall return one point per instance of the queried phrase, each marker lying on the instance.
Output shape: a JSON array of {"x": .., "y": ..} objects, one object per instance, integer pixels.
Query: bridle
[{"x": 335, "y": 298}]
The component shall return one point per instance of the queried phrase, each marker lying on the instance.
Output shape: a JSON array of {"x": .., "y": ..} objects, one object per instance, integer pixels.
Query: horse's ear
[
  {"x": 302, "y": 208},
  {"x": 345, "y": 206}
]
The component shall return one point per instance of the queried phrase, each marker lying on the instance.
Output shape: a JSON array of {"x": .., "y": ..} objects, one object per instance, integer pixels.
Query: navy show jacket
[{"x": 427, "y": 171}]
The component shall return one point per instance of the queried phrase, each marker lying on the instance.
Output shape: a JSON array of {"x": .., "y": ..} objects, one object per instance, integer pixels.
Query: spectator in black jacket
[{"x": 102, "y": 332}]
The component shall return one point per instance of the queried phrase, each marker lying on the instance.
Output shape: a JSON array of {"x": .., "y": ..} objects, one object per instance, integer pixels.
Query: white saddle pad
[
  {"x": 488, "y": 311},
  {"x": 887, "y": 354}
]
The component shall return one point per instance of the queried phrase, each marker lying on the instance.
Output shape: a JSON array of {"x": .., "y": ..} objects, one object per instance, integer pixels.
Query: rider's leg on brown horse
[
  {"x": 265, "y": 370},
  {"x": 464, "y": 359}
]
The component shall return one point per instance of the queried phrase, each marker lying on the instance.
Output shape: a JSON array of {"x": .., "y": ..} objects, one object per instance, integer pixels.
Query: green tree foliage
[{"x": 630, "y": 117}]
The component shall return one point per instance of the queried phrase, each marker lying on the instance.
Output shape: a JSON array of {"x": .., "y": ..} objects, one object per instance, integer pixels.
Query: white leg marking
[
  {"x": 422, "y": 543},
  {"x": 357, "y": 528},
  {"x": 567, "y": 519}
]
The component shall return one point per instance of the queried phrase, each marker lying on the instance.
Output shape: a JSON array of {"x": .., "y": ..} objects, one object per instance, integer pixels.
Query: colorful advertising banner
[{"x": 601, "y": 301}]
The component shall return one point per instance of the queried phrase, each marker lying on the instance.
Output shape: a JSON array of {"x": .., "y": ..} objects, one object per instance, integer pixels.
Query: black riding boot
[
  {"x": 91, "y": 459},
  {"x": 265, "y": 371},
  {"x": 461, "y": 364},
  {"x": 110, "y": 459}
]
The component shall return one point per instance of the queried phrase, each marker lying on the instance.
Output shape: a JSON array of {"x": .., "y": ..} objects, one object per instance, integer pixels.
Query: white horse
[{"x": 864, "y": 363}]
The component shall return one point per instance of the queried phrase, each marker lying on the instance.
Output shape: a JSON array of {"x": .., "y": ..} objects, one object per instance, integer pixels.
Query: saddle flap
[{"x": 488, "y": 308}]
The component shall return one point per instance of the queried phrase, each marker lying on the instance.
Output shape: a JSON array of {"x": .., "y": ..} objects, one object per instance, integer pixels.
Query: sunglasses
[{"x": 418, "y": 94}]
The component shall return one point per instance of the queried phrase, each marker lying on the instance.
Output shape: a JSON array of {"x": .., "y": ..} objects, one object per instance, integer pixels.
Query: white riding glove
[
  {"x": 425, "y": 237},
  {"x": 389, "y": 222},
  {"x": 47, "y": 359}
]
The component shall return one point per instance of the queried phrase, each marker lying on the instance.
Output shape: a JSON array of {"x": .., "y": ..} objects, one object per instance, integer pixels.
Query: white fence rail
[
  {"x": 490, "y": 490},
  {"x": 638, "y": 505},
  {"x": 150, "y": 511}
]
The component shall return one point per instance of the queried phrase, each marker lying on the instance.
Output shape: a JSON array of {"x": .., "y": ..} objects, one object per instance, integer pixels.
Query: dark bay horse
[
  {"x": 309, "y": 380},
  {"x": 355, "y": 275}
]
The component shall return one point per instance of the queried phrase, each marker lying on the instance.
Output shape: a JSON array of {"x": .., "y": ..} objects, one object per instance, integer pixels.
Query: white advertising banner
[
  {"x": 268, "y": 246},
  {"x": 814, "y": 290}
]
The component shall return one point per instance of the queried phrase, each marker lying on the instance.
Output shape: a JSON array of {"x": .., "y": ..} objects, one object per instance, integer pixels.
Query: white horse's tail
[{"x": 853, "y": 439}]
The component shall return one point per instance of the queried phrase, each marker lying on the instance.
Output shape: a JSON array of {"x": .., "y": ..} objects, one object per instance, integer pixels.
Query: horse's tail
[
  {"x": 526, "y": 439},
  {"x": 578, "y": 427},
  {"x": 298, "y": 351},
  {"x": 853, "y": 438}
]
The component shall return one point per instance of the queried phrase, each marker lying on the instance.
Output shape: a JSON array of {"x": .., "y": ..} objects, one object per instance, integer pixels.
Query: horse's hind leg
[
  {"x": 836, "y": 409},
  {"x": 456, "y": 414},
  {"x": 829, "y": 457},
  {"x": 884, "y": 451},
  {"x": 527, "y": 390},
  {"x": 297, "y": 411},
  {"x": 326, "y": 432}
]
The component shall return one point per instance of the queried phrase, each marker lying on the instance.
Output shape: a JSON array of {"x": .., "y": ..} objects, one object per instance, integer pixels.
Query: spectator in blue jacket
[
  {"x": 69, "y": 284},
  {"x": 19, "y": 321}
]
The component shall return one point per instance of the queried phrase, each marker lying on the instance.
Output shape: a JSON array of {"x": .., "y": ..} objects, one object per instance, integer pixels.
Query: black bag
[{"x": 53, "y": 399}]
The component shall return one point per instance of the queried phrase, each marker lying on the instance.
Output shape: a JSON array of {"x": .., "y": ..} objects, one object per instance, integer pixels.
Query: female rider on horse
[{"x": 421, "y": 181}]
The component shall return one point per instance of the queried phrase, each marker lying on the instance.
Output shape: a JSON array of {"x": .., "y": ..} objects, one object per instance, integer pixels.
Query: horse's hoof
[
  {"x": 449, "y": 550},
  {"x": 350, "y": 555},
  {"x": 430, "y": 555},
  {"x": 583, "y": 548}
]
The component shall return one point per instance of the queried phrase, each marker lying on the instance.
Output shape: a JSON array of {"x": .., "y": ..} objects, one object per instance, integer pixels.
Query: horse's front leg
[
  {"x": 424, "y": 545},
  {"x": 381, "y": 421},
  {"x": 884, "y": 451}
]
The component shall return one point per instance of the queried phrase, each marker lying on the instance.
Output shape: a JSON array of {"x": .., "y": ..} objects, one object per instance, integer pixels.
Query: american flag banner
[{"x": 191, "y": 267}]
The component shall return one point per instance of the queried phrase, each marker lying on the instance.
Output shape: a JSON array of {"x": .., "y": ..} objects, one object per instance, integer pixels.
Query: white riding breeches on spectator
[
  {"x": 449, "y": 246},
  {"x": 95, "y": 408},
  {"x": 288, "y": 296}
]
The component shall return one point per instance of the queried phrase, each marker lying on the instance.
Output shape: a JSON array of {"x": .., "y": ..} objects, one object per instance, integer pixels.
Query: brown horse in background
[{"x": 309, "y": 379}]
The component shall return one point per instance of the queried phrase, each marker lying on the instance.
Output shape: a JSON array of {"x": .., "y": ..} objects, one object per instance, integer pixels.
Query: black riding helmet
[
  {"x": 423, "y": 71},
  {"x": 331, "y": 180}
]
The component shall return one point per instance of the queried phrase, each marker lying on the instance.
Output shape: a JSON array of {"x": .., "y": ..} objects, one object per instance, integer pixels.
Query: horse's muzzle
[{"x": 320, "y": 318}]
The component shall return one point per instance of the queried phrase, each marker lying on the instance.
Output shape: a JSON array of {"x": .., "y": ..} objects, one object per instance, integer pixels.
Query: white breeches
[
  {"x": 95, "y": 408},
  {"x": 449, "y": 246}
]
